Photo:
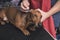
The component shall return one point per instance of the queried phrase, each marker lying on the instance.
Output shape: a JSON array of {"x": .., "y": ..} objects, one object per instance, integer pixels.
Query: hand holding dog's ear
[{"x": 45, "y": 15}]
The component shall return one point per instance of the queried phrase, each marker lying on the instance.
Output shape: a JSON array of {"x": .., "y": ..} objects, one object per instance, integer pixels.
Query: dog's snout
[{"x": 31, "y": 24}]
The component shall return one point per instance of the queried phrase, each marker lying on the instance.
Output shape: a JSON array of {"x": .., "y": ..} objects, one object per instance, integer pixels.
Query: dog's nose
[{"x": 32, "y": 23}]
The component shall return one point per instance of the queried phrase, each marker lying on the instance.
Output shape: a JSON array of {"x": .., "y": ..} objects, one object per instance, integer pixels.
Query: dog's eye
[{"x": 35, "y": 15}]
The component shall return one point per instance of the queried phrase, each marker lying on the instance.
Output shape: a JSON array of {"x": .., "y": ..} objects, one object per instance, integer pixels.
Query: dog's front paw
[
  {"x": 27, "y": 33},
  {"x": 2, "y": 23}
]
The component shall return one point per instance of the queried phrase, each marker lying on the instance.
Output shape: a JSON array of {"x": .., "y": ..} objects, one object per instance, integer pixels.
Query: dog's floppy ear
[{"x": 34, "y": 11}]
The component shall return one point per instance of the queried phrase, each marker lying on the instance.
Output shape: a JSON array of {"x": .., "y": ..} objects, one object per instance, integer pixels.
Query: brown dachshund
[{"x": 23, "y": 20}]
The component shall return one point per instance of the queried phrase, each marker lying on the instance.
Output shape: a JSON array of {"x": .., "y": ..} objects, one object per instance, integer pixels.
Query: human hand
[
  {"x": 25, "y": 5},
  {"x": 45, "y": 15}
]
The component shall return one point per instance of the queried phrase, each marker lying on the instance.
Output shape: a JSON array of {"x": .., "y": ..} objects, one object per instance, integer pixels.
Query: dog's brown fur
[
  {"x": 2, "y": 17},
  {"x": 22, "y": 20}
]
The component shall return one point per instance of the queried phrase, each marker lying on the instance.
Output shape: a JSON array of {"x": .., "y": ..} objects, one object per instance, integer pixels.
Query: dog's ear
[
  {"x": 32, "y": 11},
  {"x": 38, "y": 13},
  {"x": 35, "y": 12}
]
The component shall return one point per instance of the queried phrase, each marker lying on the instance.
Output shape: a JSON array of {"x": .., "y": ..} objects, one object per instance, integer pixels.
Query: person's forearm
[{"x": 54, "y": 9}]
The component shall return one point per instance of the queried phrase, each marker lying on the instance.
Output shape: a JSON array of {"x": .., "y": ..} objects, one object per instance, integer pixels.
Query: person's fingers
[
  {"x": 42, "y": 19},
  {"x": 44, "y": 15},
  {"x": 40, "y": 11},
  {"x": 23, "y": 6}
]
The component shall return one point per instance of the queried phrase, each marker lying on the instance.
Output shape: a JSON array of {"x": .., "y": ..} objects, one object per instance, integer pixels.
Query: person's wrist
[{"x": 49, "y": 14}]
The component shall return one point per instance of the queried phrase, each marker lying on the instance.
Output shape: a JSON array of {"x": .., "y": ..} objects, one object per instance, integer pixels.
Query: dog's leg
[
  {"x": 24, "y": 30},
  {"x": 2, "y": 23},
  {"x": 19, "y": 24},
  {"x": 4, "y": 16},
  {"x": 1, "y": 18}
]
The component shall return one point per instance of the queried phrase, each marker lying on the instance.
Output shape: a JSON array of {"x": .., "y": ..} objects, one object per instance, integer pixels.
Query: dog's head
[{"x": 33, "y": 18}]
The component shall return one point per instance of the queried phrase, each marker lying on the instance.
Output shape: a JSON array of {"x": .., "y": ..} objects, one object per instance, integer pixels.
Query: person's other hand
[
  {"x": 45, "y": 15},
  {"x": 25, "y": 5}
]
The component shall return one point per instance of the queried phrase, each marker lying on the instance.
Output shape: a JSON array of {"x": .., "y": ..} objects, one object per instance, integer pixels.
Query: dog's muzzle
[{"x": 32, "y": 24}]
